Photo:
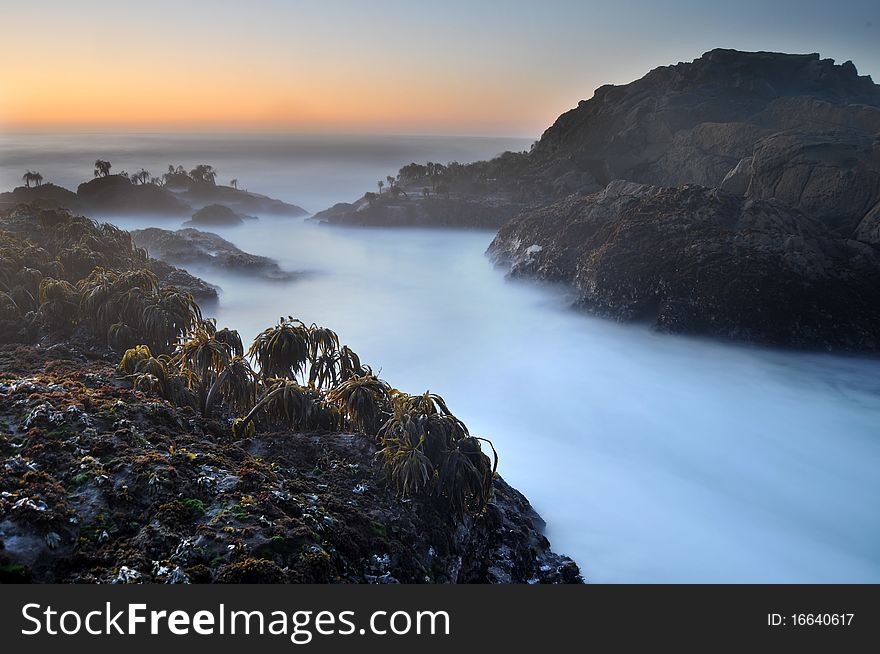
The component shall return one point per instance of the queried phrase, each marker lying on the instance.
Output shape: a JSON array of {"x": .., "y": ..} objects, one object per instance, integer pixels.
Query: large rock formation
[
  {"x": 697, "y": 260},
  {"x": 694, "y": 122},
  {"x": 783, "y": 249}
]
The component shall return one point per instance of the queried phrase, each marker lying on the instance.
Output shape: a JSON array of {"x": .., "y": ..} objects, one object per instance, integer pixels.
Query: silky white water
[{"x": 653, "y": 458}]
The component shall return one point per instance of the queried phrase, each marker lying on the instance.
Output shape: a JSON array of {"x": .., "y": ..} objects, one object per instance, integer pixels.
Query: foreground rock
[
  {"x": 699, "y": 261},
  {"x": 476, "y": 213},
  {"x": 188, "y": 247},
  {"x": 102, "y": 484}
]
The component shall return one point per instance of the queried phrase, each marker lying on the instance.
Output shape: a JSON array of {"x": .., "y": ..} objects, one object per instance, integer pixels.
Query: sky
[{"x": 384, "y": 66}]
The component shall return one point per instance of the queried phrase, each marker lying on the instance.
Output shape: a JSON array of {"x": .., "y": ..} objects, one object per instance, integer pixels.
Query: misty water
[{"x": 653, "y": 458}]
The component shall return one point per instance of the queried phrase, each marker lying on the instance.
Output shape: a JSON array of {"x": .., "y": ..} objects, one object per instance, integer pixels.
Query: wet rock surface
[
  {"x": 189, "y": 246},
  {"x": 699, "y": 261},
  {"x": 101, "y": 483}
]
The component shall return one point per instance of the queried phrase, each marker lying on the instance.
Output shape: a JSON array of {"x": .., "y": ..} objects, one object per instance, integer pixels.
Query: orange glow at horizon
[
  {"x": 457, "y": 67},
  {"x": 118, "y": 68},
  {"x": 122, "y": 98}
]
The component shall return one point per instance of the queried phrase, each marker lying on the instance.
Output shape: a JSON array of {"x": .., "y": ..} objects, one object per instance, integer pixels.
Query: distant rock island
[
  {"x": 177, "y": 193},
  {"x": 215, "y": 214},
  {"x": 737, "y": 195}
]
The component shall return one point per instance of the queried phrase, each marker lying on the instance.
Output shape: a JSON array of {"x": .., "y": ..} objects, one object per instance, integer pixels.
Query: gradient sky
[{"x": 450, "y": 66}]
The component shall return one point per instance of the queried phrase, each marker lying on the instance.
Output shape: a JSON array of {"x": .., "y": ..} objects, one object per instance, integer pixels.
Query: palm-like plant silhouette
[
  {"x": 102, "y": 168},
  {"x": 234, "y": 183},
  {"x": 30, "y": 176},
  {"x": 204, "y": 173},
  {"x": 59, "y": 302}
]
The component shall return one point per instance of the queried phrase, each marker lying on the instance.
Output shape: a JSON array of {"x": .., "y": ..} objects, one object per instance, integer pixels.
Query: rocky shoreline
[
  {"x": 735, "y": 196},
  {"x": 105, "y": 484},
  {"x": 191, "y": 467},
  {"x": 749, "y": 270}
]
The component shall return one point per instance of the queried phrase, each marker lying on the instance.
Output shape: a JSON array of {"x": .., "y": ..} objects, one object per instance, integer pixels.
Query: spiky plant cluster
[
  {"x": 203, "y": 371},
  {"x": 281, "y": 351},
  {"x": 427, "y": 451},
  {"x": 68, "y": 270},
  {"x": 306, "y": 381},
  {"x": 363, "y": 401},
  {"x": 130, "y": 307}
]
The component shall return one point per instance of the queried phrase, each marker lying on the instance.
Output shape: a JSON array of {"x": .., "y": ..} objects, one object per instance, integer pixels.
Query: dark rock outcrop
[
  {"x": 45, "y": 196},
  {"x": 833, "y": 177},
  {"x": 765, "y": 125},
  {"x": 700, "y": 261},
  {"x": 778, "y": 244},
  {"x": 476, "y": 213},
  {"x": 244, "y": 202},
  {"x": 215, "y": 214},
  {"x": 108, "y": 485},
  {"x": 169, "y": 275},
  {"x": 187, "y": 247},
  {"x": 116, "y": 193}
]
